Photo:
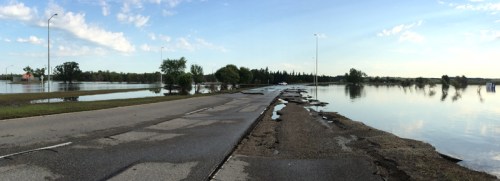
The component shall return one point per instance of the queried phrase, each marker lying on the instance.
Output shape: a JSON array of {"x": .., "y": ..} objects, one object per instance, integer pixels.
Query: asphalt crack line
[{"x": 37, "y": 149}]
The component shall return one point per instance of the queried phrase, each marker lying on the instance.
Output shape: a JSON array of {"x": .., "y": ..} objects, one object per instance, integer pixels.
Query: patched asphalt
[{"x": 185, "y": 139}]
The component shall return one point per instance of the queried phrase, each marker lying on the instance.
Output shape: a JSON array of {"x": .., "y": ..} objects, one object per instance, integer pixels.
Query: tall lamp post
[
  {"x": 6, "y": 71},
  {"x": 316, "y": 77},
  {"x": 48, "y": 50},
  {"x": 161, "y": 54}
]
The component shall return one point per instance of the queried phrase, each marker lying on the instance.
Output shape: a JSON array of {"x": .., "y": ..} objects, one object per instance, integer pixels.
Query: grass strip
[{"x": 28, "y": 110}]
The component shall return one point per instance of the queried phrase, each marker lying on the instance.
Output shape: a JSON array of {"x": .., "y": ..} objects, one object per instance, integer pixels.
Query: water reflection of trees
[
  {"x": 156, "y": 90},
  {"x": 70, "y": 99},
  {"x": 354, "y": 91},
  {"x": 481, "y": 99},
  {"x": 455, "y": 97},
  {"x": 444, "y": 91},
  {"x": 69, "y": 87}
]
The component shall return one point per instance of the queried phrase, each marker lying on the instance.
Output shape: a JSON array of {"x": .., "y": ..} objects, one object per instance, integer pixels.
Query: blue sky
[{"x": 383, "y": 38}]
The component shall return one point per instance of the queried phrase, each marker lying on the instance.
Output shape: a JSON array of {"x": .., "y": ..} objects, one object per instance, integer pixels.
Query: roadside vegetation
[{"x": 28, "y": 110}]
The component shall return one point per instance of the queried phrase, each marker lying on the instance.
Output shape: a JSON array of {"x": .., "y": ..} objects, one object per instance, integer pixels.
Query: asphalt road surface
[{"x": 175, "y": 140}]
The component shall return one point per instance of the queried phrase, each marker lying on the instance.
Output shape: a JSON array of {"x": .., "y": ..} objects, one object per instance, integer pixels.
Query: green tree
[
  {"x": 28, "y": 70},
  {"x": 185, "y": 81},
  {"x": 459, "y": 82},
  {"x": 445, "y": 81},
  {"x": 39, "y": 72},
  {"x": 172, "y": 70},
  {"x": 67, "y": 72},
  {"x": 421, "y": 82},
  {"x": 198, "y": 77},
  {"x": 245, "y": 75},
  {"x": 228, "y": 75},
  {"x": 355, "y": 76}
]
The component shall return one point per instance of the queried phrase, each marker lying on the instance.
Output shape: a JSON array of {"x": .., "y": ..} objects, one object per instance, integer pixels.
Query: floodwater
[
  {"x": 461, "y": 123},
  {"x": 281, "y": 104},
  {"x": 7, "y": 88},
  {"x": 154, "y": 90}
]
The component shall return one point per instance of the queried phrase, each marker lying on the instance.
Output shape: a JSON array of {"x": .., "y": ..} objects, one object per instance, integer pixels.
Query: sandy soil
[{"x": 310, "y": 135}]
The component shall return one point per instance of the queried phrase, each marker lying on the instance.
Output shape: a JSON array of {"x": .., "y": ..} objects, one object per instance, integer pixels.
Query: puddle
[{"x": 278, "y": 107}]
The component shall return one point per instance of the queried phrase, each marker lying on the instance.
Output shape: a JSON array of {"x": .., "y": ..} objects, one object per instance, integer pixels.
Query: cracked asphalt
[{"x": 175, "y": 140}]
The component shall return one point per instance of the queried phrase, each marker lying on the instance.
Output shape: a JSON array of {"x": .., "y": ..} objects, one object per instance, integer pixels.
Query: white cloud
[
  {"x": 32, "y": 39},
  {"x": 411, "y": 37},
  {"x": 173, "y": 3},
  {"x": 104, "y": 7},
  {"x": 73, "y": 50},
  {"x": 75, "y": 24},
  {"x": 405, "y": 33},
  {"x": 399, "y": 28},
  {"x": 193, "y": 44},
  {"x": 167, "y": 12},
  {"x": 17, "y": 11},
  {"x": 497, "y": 21},
  {"x": 165, "y": 38},
  {"x": 7, "y": 40},
  {"x": 138, "y": 20},
  {"x": 478, "y": 6},
  {"x": 152, "y": 36},
  {"x": 183, "y": 43},
  {"x": 201, "y": 43},
  {"x": 146, "y": 48}
]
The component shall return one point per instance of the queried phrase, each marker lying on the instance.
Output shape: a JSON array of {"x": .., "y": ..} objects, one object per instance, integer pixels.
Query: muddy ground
[{"x": 305, "y": 134}]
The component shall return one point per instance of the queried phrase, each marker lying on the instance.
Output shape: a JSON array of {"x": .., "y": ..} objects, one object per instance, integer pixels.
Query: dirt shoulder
[{"x": 308, "y": 135}]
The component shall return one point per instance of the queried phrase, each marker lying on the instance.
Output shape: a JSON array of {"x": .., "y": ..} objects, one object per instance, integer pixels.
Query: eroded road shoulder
[{"x": 304, "y": 145}]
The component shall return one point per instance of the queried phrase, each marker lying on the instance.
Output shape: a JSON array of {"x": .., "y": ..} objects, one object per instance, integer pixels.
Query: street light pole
[
  {"x": 6, "y": 71},
  {"x": 48, "y": 50},
  {"x": 161, "y": 76},
  {"x": 316, "y": 78}
]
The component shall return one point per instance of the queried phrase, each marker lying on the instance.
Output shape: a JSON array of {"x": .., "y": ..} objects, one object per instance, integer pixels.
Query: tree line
[
  {"x": 70, "y": 71},
  {"x": 173, "y": 74}
]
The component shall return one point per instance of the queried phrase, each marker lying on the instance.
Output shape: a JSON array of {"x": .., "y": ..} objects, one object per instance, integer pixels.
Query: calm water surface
[
  {"x": 7, "y": 88},
  {"x": 464, "y": 123}
]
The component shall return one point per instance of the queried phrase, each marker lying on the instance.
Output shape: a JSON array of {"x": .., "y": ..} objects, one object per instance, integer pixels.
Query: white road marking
[
  {"x": 199, "y": 110},
  {"x": 37, "y": 149}
]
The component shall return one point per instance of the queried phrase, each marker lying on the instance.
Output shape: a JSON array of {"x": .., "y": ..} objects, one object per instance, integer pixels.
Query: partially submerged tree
[
  {"x": 421, "y": 82},
  {"x": 39, "y": 72},
  {"x": 459, "y": 82},
  {"x": 445, "y": 81},
  {"x": 198, "y": 77},
  {"x": 185, "y": 82},
  {"x": 355, "y": 76},
  {"x": 67, "y": 72},
  {"x": 228, "y": 75},
  {"x": 172, "y": 70}
]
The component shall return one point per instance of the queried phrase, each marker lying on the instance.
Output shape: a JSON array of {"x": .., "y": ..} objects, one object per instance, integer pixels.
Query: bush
[{"x": 185, "y": 82}]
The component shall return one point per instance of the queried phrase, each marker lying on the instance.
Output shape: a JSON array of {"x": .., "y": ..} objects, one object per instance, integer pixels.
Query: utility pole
[
  {"x": 316, "y": 77},
  {"x": 161, "y": 57},
  {"x": 48, "y": 50}
]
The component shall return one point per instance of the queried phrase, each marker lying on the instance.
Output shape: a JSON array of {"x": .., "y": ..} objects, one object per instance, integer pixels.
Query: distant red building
[{"x": 28, "y": 77}]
